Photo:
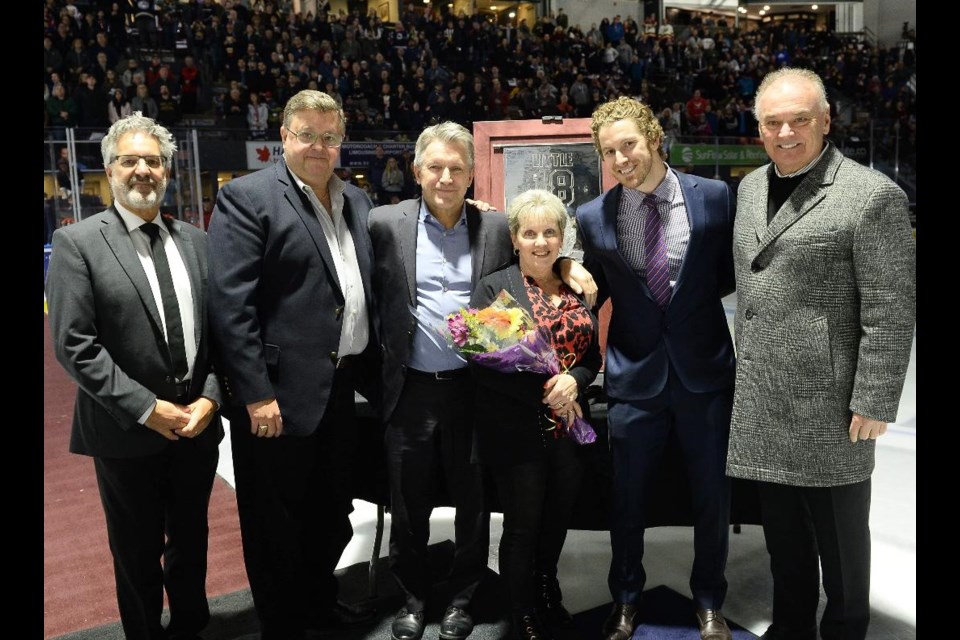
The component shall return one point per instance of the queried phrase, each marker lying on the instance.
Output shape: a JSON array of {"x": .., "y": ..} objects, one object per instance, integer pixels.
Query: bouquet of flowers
[{"x": 504, "y": 337}]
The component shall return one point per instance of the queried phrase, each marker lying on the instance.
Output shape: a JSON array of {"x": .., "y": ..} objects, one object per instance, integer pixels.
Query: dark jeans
[{"x": 537, "y": 500}]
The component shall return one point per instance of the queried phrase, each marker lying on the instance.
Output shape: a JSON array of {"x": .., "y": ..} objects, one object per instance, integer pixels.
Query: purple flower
[{"x": 458, "y": 329}]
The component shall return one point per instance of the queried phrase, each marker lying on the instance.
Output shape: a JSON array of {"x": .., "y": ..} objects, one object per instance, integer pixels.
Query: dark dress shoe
[
  {"x": 456, "y": 624},
  {"x": 712, "y": 625},
  {"x": 619, "y": 624},
  {"x": 407, "y": 625},
  {"x": 527, "y": 626}
]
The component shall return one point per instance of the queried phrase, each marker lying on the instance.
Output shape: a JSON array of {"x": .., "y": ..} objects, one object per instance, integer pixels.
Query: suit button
[
  {"x": 339, "y": 312},
  {"x": 749, "y": 314}
]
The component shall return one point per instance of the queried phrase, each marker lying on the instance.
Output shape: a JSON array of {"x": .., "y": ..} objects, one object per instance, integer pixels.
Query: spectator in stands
[
  {"x": 92, "y": 105},
  {"x": 189, "y": 85},
  {"x": 147, "y": 395},
  {"x": 257, "y": 117},
  {"x": 168, "y": 110},
  {"x": 235, "y": 110},
  {"x": 165, "y": 79},
  {"x": 392, "y": 183},
  {"x": 144, "y": 103},
  {"x": 119, "y": 107}
]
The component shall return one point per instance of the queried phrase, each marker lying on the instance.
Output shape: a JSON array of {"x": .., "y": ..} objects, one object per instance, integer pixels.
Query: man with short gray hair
[{"x": 127, "y": 305}]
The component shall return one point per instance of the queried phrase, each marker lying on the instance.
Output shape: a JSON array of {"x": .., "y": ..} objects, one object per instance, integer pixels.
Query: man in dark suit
[
  {"x": 660, "y": 245},
  {"x": 429, "y": 253},
  {"x": 291, "y": 309},
  {"x": 826, "y": 302},
  {"x": 127, "y": 299}
]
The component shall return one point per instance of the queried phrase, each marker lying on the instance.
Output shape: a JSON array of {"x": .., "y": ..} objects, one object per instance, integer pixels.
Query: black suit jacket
[
  {"x": 275, "y": 300},
  {"x": 108, "y": 335},
  {"x": 393, "y": 230}
]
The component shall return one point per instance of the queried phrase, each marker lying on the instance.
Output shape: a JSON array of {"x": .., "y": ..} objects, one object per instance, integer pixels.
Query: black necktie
[{"x": 171, "y": 308}]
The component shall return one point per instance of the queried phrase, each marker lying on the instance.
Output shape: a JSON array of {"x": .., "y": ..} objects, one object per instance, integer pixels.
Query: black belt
[
  {"x": 449, "y": 374},
  {"x": 343, "y": 362}
]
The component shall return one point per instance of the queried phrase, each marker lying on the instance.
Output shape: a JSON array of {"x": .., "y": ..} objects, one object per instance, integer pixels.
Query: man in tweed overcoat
[{"x": 825, "y": 273}]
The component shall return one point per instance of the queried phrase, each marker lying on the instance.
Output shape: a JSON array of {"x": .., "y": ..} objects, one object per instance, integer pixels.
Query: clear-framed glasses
[
  {"x": 129, "y": 162},
  {"x": 329, "y": 140}
]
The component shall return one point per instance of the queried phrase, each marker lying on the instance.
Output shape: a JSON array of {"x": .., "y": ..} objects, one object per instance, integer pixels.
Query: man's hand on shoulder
[
  {"x": 481, "y": 205},
  {"x": 576, "y": 276}
]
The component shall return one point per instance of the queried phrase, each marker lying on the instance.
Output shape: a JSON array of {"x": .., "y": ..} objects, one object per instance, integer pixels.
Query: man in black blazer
[
  {"x": 127, "y": 299},
  {"x": 429, "y": 254},
  {"x": 291, "y": 309}
]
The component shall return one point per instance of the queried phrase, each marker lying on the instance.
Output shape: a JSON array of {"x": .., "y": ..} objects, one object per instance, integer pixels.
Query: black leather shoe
[
  {"x": 407, "y": 625},
  {"x": 456, "y": 624},
  {"x": 550, "y": 605},
  {"x": 619, "y": 624},
  {"x": 527, "y": 626},
  {"x": 712, "y": 625}
]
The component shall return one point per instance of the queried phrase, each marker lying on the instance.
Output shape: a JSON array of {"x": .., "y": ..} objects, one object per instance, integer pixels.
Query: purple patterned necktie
[{"x": 655, "y": 254}]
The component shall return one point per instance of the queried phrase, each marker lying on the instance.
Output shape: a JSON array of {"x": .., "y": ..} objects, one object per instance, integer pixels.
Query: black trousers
[
  {"x": 294, "y": 497},
  {"x": 638, "y": 435},
  {"x": 807, "y": 528},
  {"x": 428, "y": 444},
  {"x": 537, "y": 500},
  {"x": 156, "y": 506}
]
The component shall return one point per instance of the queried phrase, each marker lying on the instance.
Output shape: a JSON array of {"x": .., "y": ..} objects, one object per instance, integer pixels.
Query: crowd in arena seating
[{"x": 242, "y": 63}]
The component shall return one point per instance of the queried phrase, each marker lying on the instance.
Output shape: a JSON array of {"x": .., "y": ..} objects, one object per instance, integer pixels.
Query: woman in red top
[{"x": 518, "y": 432}]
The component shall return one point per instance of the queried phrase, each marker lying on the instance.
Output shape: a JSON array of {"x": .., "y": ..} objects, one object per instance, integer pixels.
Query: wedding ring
[{"x": 262, "y": 427}]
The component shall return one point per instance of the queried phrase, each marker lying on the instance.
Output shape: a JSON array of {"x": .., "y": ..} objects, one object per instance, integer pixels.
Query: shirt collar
[
  {"x": 663, "y": 192},
  {"x": 133, "y": 221},
  {"x": 425, "y": 214},
  {"x": 335, "y": 185},
  {"x": 807, "y": 168}
]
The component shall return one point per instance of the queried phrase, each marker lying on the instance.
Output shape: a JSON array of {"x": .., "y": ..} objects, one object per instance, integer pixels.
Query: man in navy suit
[
  {"x": 659, "y": 245},
  {"x": 128, "y": 314},
  {"x": 291, "y": 309}
]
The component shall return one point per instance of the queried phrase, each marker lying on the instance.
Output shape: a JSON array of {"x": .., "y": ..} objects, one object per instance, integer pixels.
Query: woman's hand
[{"x": 559, "y": 392}]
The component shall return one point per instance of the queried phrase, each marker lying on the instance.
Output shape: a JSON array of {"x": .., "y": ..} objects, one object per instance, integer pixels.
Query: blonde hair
[
  {"x": 624, "y": 108},
  {"x": 536, "y": 202}
]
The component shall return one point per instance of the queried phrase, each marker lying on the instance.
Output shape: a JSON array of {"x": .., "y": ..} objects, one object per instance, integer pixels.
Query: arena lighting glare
[
  {"x": 766, "y": 7},
  {"x": 814, "y": 6},
  {"x": 762, "y": 12},
  {"x": 493, "y": 7},
  {"x": 512, "y": 14}
]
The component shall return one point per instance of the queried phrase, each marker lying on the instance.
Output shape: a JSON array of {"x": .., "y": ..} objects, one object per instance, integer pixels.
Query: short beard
[{"x": 134, "y": 200}]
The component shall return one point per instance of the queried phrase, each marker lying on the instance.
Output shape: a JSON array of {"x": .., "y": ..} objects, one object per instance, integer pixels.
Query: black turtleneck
[{"x": 780, "y": 189}]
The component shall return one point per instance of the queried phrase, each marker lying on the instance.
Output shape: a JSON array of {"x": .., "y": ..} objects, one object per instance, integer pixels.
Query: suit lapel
[
  {"x": 696, "y": 217},
  {"x": 608, "y": 230},
  {"x": 408, "y": 223},
  {"x": 804, "y": 198},
  {"x": 298, "y": 201},
  {"x": 478, "y": 241},
  {"x": 118, "y": 239}
]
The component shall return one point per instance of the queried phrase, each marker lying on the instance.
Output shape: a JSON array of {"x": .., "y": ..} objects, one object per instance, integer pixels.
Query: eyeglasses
[
  {"x": 130, "y": 162},
  {"x": 797, "y": 123},
  {"x": 329, "y": 140}
]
